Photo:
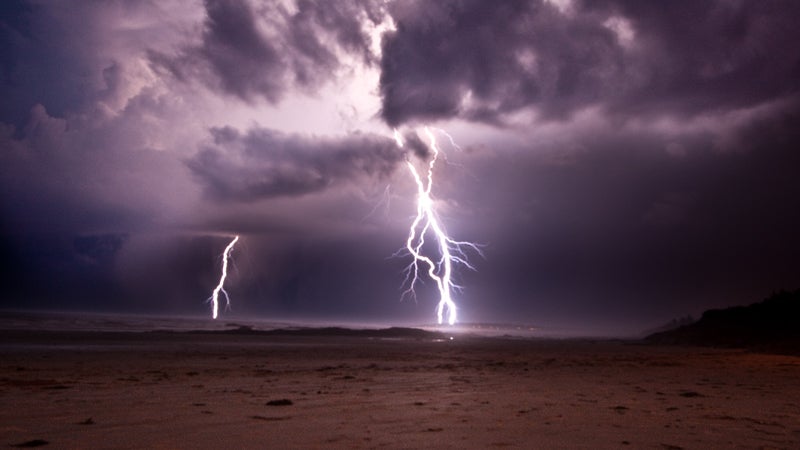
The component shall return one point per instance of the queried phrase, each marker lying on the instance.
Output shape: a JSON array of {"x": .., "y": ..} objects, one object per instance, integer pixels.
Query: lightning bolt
[
  {"x": 214, "y": 299},
  {"x": 426, "y": 221}
]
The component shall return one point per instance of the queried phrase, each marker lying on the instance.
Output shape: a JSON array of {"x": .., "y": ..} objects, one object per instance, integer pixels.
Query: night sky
[{"x": 621, "y": 162}]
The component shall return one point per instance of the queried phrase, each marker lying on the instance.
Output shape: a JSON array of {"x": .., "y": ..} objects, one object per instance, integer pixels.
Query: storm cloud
[
  {"x": 484, "y": 62},
  {"x": 264, "y": 163},
  {"x": 621, "y": 162},
  {"x": 261, "y": 51}
]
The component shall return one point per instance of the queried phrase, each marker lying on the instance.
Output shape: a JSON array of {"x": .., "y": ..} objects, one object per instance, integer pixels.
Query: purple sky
[{"x": 622, "y": 162}]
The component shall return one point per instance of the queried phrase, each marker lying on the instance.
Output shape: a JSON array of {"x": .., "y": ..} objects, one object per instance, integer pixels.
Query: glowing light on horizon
[
  {"x": 214, "y": 299},
  {"x": 450, "y": 251}
]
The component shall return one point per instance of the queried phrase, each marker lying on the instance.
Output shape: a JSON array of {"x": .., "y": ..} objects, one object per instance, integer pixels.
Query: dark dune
[{"x": 772, "y": 325}]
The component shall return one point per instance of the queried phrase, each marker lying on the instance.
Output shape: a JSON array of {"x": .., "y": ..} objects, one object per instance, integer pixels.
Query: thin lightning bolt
[
  {"x": 385, "y": 201},
  {"x": 214, "y": 299},
  {"x": 450, "y": 138},
  {"x": 451, "y": 251}
]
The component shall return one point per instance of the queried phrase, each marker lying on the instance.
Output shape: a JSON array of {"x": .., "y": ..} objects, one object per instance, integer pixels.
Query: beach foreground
[{"x": 217, "y": 390}]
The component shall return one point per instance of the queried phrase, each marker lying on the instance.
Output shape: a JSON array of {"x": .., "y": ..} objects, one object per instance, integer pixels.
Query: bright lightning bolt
[
  {"x": 451, "y": 251},
  {"x": 214, "y": 299}
]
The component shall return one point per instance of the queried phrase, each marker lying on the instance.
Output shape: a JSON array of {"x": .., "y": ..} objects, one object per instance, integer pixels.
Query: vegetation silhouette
[{"x": 772, "y": 325}]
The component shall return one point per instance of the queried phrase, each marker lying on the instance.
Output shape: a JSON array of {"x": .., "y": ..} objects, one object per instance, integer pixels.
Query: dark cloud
[
  {"x": 59, "y": 176},
  {"x": 34, "y": 68},
  {"x": 263, "y": 163},
  {"x": 625, "y": 228},
  {"x": 481, "y": 60},
  {"x": 264, "y": 50},
  {"x": 246, "y": 62},
  {"x": 58, "y": 271},
  {"x": 709, "y": 55}
]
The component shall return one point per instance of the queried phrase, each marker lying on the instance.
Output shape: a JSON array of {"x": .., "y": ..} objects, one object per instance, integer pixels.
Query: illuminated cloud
[{"x": 263, "y": 50}]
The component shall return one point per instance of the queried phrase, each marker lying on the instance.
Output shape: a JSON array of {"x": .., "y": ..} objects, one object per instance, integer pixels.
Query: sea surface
[{"x": 121, "y": 322}]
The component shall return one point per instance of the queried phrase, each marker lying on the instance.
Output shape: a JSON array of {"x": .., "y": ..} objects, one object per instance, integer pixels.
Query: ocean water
[
  {"x": 120, "y": 322},
  {"x": 80, "y": 321}
]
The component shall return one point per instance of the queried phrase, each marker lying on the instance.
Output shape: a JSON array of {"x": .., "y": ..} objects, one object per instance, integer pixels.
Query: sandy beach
[{"x": 217, "y": 390}]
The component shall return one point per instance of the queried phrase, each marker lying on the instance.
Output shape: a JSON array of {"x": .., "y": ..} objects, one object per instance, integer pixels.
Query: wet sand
[{"x": 207, "y": 390}]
